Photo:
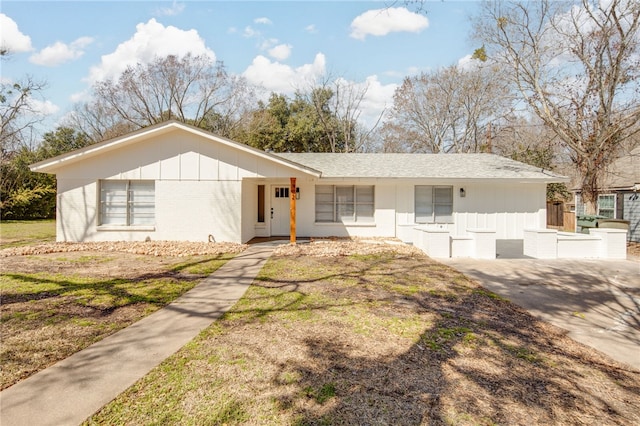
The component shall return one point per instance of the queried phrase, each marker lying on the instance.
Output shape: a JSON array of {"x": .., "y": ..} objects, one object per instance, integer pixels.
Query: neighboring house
[
  {"x": 176, "y": 182},
  {"x": 620, "y": 194}
]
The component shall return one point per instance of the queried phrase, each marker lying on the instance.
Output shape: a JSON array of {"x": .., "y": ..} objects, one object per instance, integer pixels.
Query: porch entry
[{"x": 280, "y": 211}]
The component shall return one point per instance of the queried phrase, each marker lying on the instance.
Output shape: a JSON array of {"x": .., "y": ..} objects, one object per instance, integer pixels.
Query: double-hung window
[
  {"x": 345, "y": 203},
  {"x": 127, "y": 202},
  {"x": 607, "y": 205},
  {"x": 433, "y": 204}
]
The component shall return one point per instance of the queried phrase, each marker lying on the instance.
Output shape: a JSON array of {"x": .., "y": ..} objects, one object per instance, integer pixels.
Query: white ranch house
[{"x": 176, "y": 182}]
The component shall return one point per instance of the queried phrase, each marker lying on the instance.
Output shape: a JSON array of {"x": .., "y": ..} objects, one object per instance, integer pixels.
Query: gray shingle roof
[
  {"x": 436, "y": 166},
  {"x": 624, "y": 172}
]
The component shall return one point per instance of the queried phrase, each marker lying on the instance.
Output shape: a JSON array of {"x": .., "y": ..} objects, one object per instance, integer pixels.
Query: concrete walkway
[
  {"x": 596, "y": 301},
  {"x": 73, "y": 389}
]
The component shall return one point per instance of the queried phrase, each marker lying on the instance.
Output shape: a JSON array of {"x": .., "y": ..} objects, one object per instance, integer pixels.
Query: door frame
[{"x": 274, "y": 201}]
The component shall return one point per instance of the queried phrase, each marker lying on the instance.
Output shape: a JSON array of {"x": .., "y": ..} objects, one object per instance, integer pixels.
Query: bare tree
[
  {"x": 447, "y": 110},
  {"x": 18, "y": 114},
  {"x": 191, "y": 89},
  {"x": 577, "y": 66},
  {"x": 338, "y": 104}
]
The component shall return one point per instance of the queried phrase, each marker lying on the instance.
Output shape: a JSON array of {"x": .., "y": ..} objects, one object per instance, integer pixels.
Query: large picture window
[
  {"x": 345, "y": 203},
  {"x": 433, "y": 204},
  {"x": 127, "y": 202}
]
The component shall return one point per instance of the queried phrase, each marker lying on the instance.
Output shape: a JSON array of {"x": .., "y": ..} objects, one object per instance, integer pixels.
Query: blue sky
[{"x": 279, "y": 44}]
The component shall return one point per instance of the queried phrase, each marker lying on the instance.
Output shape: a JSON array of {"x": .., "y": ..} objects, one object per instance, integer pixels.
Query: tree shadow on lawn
[
  {"x": 46, "y": 317},
  {"x": 465, "y": 370},
  {"x": 482, "y": 360},
  {"x": 88, "y": 287}
]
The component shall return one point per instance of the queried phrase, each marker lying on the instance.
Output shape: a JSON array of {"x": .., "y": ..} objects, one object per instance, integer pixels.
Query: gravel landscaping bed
[{"x": 152, "y": 248}]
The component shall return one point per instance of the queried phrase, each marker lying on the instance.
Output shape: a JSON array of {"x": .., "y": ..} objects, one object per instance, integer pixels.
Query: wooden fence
[{"x": 558, "y": 217}]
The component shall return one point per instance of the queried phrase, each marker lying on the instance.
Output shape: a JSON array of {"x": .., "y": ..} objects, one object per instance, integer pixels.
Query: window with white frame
[
  {"x": 433, "y": 204},
  {"x": 345, "y": 203},
  {"x": 127, "y": 202},
  {"x": 607, "y": 205}
]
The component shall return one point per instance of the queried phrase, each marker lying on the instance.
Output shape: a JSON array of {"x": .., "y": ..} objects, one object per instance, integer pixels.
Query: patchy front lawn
[
  {"x": 334, "y": 334},
  {"x": 56, "y": 299}
]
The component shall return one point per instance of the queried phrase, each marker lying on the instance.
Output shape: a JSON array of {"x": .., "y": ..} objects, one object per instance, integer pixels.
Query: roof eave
[{"x": 52, "y": 164}]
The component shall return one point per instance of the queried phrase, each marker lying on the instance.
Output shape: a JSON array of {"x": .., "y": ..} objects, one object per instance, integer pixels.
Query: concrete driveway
[{"x": 596, "y": 301}]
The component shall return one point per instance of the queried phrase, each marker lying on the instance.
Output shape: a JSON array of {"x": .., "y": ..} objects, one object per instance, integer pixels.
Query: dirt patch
[{"x": 633, "y": 249}]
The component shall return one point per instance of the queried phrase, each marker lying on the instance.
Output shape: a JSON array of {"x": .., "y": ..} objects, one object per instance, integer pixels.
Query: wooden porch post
[{"x": 292, "y": 219}]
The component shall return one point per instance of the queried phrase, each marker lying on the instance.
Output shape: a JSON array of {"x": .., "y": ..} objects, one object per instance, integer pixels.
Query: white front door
[{"x": 280, "y": 211}]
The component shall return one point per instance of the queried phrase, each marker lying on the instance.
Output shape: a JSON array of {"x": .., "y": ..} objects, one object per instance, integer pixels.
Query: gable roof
[
  {"x": 624, "y": 173},
  {"x": 50, "y": 165},
  {"x": 337, "y": 165},
  {"x": 435, "y": 166}
]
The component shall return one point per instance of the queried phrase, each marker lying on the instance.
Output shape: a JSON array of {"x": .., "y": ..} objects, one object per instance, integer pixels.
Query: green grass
[
  {"x": 15, "y": 233},
  {"x": 47, "y": 315},
  {"x": 91, "y": 291},
  {"x": 334, "y": 341},
  {"x": 322, "y": 394}
]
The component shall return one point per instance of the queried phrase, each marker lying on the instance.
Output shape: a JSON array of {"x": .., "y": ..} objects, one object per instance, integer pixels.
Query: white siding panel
[
  {"x": 201, "y": 209},
  {"x": 150, "y": 171},
  {"x": 265, "y": 168},
  {"x": 404, "y": 205},
  {"x": 76, "y": 216},
  {"x": 170, "y": 168},
  {"x": 247, "y": 165},
  {"x": 228, "y": 164},
  {"x": 385, "y": 200},
  {"x": 249, "y": 210},
  {"x": 209, "y": 165},
  {"x": 189, "y": 166}
]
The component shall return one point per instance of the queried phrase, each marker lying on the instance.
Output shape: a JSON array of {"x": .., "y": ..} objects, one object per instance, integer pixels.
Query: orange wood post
[{"x": 292, "y": 219}]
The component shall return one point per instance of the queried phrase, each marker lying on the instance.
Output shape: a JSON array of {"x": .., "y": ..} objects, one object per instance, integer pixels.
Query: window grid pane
[
  {"x": 125, "y": 203},
  {"x": 365, "y": 204},
  {"x": 433, "y": 204},
  {"x": 423, "y": 203},
  {"x": 325, "y": 208},
  {"x": 606, "y": 205},
  {"x": 345, "y": 203}
]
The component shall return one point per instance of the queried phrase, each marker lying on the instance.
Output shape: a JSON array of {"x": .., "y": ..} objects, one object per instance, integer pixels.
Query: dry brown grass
[
  {"x": 373, "y": 337},
  {"x": 57, "y": 303}
]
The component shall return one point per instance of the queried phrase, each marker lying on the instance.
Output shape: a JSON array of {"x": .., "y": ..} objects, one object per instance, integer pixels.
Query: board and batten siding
[
  {"x": 198, "y": 189},
  {"x": 508, "y": 209},
  {"x": 631, "y": 212}
]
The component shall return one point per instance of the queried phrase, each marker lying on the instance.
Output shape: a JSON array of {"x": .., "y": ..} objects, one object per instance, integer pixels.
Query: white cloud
[
  {"x": 311, "y": 29},
  {"x": 263, "y": 20},
  {"x": 83, "y": 96},
  {"x": 468, "y": 63},
  {"x": 268, "y": 43},
  {"x": 280, "y": 52},
  {"x": 59, "y": 53},
  {"x": 377, "y": 99},
  {"x": 11, "y": 38},
  {"x": 277, "y": 77},
  {"x": 379, "y": 22},
  {"x": 250, "y": 32},
  {"x": 175, "y": 9},
  {"x": 43, "y": 108},
  {"x": 150, "y": 40}
]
